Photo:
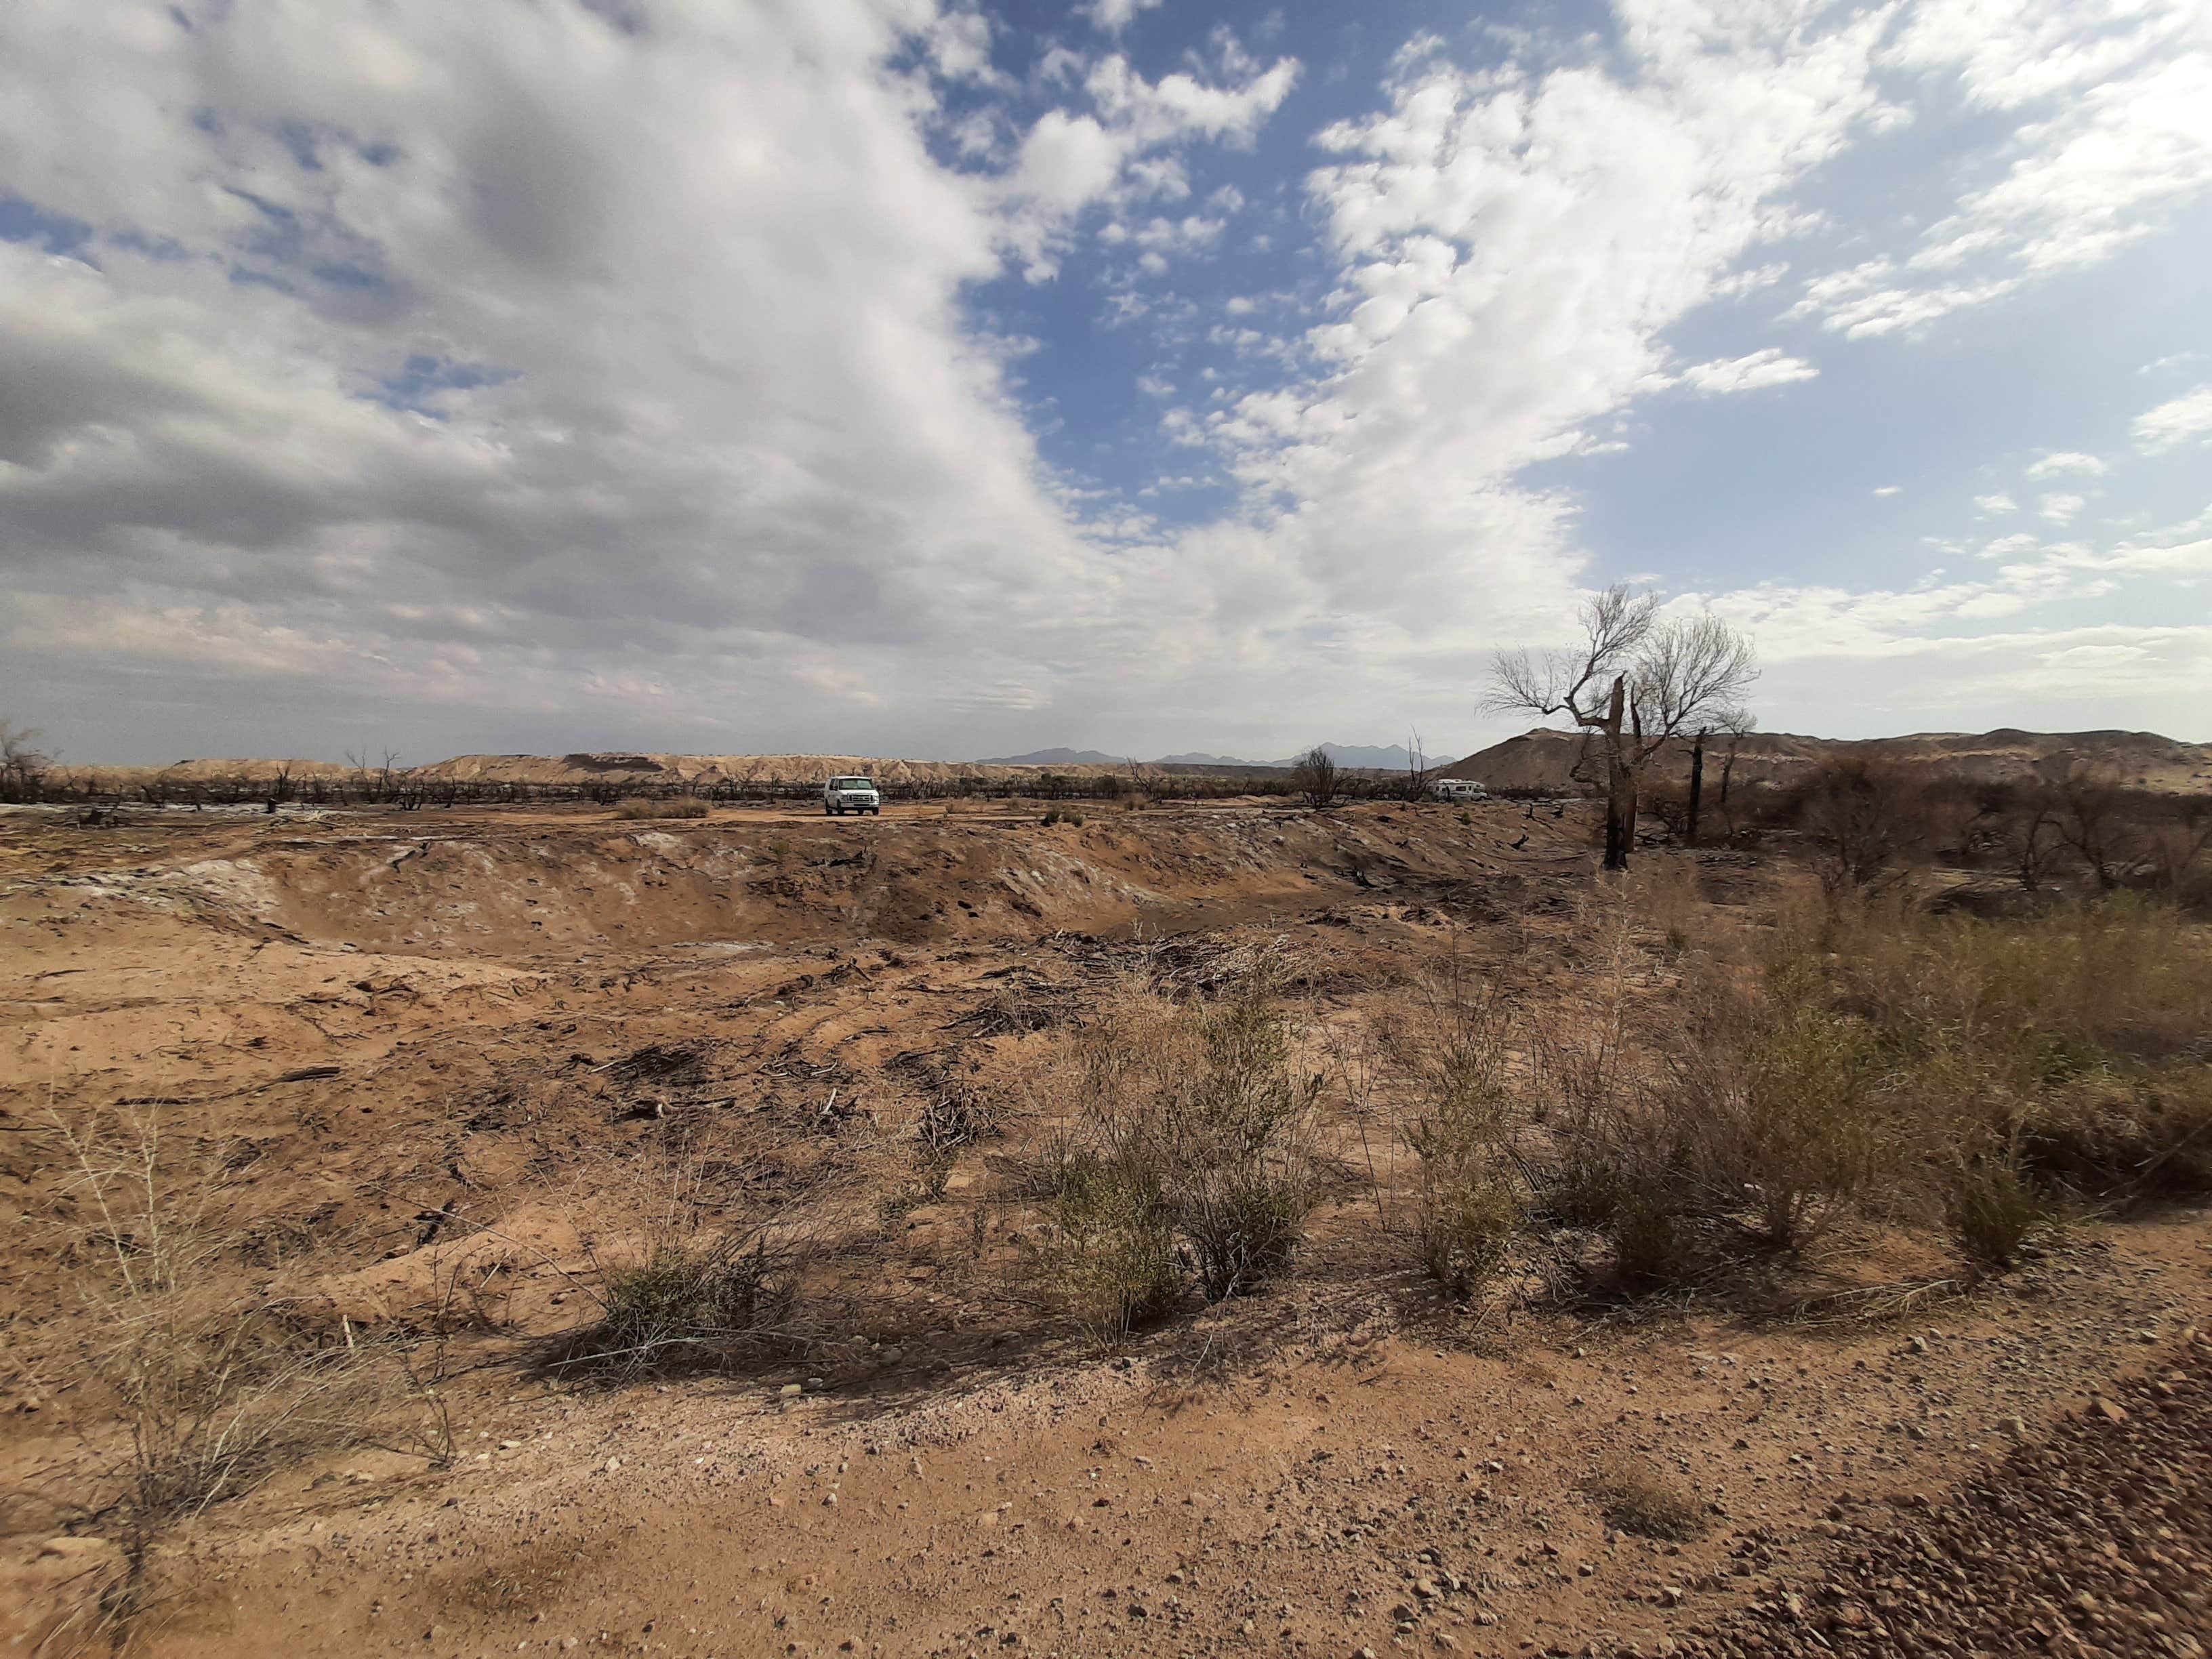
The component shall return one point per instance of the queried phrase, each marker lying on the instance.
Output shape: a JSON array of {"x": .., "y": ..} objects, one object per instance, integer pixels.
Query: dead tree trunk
[
  {"x": 1696, "y": 787},
  {"x": 1620, "y": 784}
]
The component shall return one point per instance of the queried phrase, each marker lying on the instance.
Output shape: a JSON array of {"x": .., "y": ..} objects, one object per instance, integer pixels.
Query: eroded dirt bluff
[{"x": 481, "y": 883}]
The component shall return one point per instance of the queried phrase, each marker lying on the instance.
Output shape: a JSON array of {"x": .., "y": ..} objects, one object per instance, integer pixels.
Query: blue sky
[{"x": 904, "y": 377}]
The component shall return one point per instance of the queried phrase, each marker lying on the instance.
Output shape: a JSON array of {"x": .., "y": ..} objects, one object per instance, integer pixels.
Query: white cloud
[
  {"x": 653, "y": 353},
  {"x": 2059, "y": 464},
  {"x": 2111, "y": 138},
  {"x": 1114, "y": 15},
  {"x": 654, "y": 360},
  {"x": 2175, "y": 422},
  {"x": 1888, "y": 489},
  {"x": 1760, "y": 369},
  {"x": 2061, "y": 508},
  {"x": 1069, "y": 159}
]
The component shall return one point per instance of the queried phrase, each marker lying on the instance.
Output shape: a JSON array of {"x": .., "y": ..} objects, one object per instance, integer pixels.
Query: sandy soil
[{"x": 428, "y": 1039}]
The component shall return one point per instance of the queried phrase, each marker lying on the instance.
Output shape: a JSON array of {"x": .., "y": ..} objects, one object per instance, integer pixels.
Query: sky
[{"x": 943, "y": 379}]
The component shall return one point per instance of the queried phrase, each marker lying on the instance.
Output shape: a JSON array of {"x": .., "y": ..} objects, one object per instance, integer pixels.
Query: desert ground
[{"x": 395, "y": 1099}]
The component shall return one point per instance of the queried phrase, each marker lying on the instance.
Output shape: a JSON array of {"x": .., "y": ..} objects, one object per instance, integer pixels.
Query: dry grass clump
[
  {"x": 1638, "y": 1497},
  {"x": 693, "y": 1302},
  {"x": 682, "y": 1287},
  {"x": 671, "y": 806},
  {"x": 1185, "y": 1156},
  {"x": 1992, "y": 1209}
]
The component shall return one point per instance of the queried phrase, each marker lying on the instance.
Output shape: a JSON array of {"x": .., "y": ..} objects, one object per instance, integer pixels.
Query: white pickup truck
[{"x": 843, "y": 795}]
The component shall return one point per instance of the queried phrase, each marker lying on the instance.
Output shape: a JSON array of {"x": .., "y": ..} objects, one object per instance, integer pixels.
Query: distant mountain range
[{"x": 1358, "y": 757}]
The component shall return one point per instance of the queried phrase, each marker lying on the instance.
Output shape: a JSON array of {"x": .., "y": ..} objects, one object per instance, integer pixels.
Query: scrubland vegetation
[{"x": 1859, "y": 1048}]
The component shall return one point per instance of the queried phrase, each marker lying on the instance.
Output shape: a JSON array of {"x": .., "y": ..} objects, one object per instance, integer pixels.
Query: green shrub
[
  {"x": 1111, "y": 1260},
  {"x": 1468, "y": 1222},
  {"x": 1062, "y": 815}
]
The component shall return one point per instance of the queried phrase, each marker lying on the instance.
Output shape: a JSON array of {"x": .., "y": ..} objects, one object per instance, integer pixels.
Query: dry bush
[
  {"x": 696, "y": 1300},
  {"x": 1109, "y": 1259},
  {"x": 1184, "y": 1124},
  {"x": 1663, "y": 894},
  {"x": 2125, "y": 978},
  {"x": 683, "y": 1288},
  {"x": 1993, "y": 1209},
  {"x": 1315, "y": 776},
  {"x": 210, "y": 1384},
  {"x": 1463, "y": 1126},
  {"x": 2067, "y": 1047},
  {"x": 1782, "y": 1105},
  {"x": 671, "y": 806}
]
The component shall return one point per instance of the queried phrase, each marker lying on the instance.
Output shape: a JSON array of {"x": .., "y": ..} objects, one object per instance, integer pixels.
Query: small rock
[{"x": 791, "y": 1391}]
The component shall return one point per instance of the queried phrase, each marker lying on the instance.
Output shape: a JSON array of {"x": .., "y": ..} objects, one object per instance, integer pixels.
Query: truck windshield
[{"x": 850, "y": 783}]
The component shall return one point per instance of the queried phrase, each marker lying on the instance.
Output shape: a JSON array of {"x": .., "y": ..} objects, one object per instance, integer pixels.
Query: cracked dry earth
[{"x": 1341, "y": 1465}]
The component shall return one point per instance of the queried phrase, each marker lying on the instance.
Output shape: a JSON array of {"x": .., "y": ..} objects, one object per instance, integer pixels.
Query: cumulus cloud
[
  {"x": 1114, "y": 15},
  {"x": 1070, "y": 160},
  {"x": 2175, "y": 422},
  {"x": 2063, "y": 462},
  {"x": 502, "y": 342},
  {"x": 506, "y": 369}
]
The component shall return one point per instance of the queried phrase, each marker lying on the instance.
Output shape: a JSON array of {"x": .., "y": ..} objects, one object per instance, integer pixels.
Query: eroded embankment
[{"x": 567, "y": 886}]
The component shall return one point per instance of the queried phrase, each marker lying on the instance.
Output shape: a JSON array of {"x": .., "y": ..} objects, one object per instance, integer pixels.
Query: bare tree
[
  {"x": 2025, "y": 819},
  {"x": 1862, "y": 815},
  {"x": 1739, "y": 724},
  {"x": 2092, "y": 819},
  {"x": 1419, "y": 775},
  {"x": 1637, "y": 681},
  {"x": 22, "y": 763},
  {"x": 1316, "y": 777},
  {"x": 2177, "y": 839}
]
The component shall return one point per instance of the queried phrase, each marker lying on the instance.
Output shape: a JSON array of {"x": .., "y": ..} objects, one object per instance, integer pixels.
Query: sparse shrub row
[{"x": 1882, "y": 1063}]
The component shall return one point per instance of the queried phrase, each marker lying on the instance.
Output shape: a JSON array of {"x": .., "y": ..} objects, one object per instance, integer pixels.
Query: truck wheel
[
  {"x": 875, "y": 811},
  {"x": 828, "y": 811}
]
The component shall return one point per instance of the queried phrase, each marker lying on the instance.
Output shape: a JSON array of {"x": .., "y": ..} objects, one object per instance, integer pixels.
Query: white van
[
  {"x": 1458, "y": 789},
  {"x": 843, "y": 795}
]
